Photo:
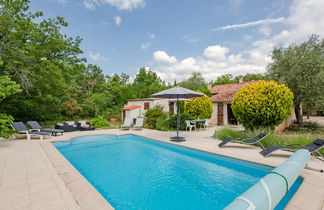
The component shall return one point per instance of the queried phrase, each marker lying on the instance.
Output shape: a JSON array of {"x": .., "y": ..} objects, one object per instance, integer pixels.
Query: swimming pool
[{"x": 133, "y": 172}]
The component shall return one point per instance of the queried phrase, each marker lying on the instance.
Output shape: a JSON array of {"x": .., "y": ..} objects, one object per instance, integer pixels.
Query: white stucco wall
[{"x": 139, "y": 112}]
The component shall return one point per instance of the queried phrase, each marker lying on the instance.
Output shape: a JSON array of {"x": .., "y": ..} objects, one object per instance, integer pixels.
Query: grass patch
[{"x": 272, "y": 139}]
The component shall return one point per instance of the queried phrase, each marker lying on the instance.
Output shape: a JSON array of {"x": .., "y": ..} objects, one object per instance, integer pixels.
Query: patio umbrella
[{"x": 177, "y": 93}]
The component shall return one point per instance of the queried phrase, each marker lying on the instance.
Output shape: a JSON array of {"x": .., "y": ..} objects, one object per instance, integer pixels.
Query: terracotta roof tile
[
  {"x": 225, "y": 93},
  {"x": 131, "y": 107}
]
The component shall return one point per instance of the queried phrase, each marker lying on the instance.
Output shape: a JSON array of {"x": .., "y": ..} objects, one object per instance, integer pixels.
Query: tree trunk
[{"x": 298, "y": 113}]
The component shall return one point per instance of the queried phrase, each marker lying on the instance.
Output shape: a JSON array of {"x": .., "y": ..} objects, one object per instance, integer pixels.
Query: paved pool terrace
[{"x": 34, "y": 175}]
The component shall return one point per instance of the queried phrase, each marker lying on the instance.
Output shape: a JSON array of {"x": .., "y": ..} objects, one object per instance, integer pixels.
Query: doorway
[
  {"x": 230, "y": 116},
  {"x": 220, "y": 114}
]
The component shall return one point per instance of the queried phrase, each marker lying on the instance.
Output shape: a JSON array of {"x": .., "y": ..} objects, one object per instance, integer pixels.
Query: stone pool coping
[{"x": 310, "y": 195}]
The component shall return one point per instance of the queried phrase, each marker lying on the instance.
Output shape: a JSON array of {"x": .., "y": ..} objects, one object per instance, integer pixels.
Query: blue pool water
[{"x": 132, "y": 172}]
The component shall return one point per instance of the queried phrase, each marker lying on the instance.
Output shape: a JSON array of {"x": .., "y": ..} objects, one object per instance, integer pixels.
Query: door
[
  {"x": 220, "y": 114},
  {"x": 171, "y": 108}
]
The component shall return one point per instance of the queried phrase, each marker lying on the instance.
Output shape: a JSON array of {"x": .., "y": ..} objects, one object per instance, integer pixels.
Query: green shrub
[
  {"x": 153, "y": 115},
  {"x": 183, "y": 117},
  {"x": 306, "y": 127},
  {"x": 5, "y": 126},
  {"x": 271, "y": 139},
  {"x": 99, "y": 122},
  {"x": 200, "y": 107},
  {"x": 163, "y": 125},
  {"x": 227, "y": 133},
  {"x": 262, "y": 105}
]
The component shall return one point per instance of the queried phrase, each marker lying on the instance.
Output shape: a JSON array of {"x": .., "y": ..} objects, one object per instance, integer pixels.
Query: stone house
[
  {"x": 222, "y": 97},
  {"x": 136, "y": 108}
]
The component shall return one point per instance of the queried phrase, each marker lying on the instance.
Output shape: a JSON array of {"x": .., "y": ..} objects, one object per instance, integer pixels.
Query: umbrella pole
[{"x": 178, "y": 116}]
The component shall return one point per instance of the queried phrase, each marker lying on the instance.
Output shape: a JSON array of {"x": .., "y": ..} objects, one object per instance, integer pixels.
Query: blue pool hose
[{"x": 268, "y": 192}]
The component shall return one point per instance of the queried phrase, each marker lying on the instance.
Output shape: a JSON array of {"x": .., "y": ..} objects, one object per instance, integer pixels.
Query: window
[{"x": 146, "y": 105}]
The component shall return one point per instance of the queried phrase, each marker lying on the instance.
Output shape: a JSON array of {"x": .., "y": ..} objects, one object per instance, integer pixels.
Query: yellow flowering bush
[
  {"x": 200, "y": 107},
  {"x": 262, "y": 104}
]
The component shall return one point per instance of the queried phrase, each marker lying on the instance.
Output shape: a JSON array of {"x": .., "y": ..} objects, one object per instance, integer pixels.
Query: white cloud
[
  {"x": 118, "y": 20},
  {"x": 253, "y": 23},
  {"x": 151, "y": 35},
  {"x": 303, "y": 19},
  {"x": 97, "y": 56},
  {"x": 264, "y": 30},
  {"x": 120, "y": 4},
  {"x": 215, "y": 61},
  {"x": 216, "y": 52},
  {"x": 145, "y": 46},
  {"x": 163, "y": 57}
]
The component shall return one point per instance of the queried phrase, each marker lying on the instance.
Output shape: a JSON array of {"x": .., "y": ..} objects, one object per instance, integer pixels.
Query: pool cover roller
[{"x": 268, "y": 192}]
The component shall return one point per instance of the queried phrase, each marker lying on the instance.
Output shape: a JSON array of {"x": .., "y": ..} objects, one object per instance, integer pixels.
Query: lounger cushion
[{"x": 319, "y": 142}]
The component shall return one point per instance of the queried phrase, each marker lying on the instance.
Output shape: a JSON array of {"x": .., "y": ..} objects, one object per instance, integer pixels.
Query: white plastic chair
[{"x": 190, "y": 126}]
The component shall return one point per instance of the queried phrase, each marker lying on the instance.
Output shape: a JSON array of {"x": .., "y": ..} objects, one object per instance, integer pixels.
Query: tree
[
  {"x": 224, "y": 79},
  {"x": 249, "y": 77},
  {"x": 146, "y": 83},
  {"x": 195, "y": 82},
  {"x": 301, "y": 68},
  {"x": 42, "y": 60},
  {"x": 200, "y": 107},
  {"x": 7, "y": 88},
  {"x": 262, "y": 104}
]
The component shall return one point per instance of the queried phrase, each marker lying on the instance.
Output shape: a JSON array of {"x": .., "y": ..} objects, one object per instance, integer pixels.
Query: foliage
[
  {"x": 227, "y": 133},
  {"x": 224, "y": 79},
  {"x": 7, "y": 87},
  {"x": 301, "y": 68},
  {"x": 262, "y": 104},
  {"x": 71, "y": 108},
  {"x": 195, "y": 82},
  {"x": 163, "y": 125},
  {"x": 229, "y": 78},
  {"x": 200, "y": 107},
  {"x": 154, "y": 115},
  {"x": 99, "y": 122},
  {"x": 183, "y": 118},
  {"x": 271, "y": 139},
  {"x": 146, "y": 83},
  {"x": 5, "y": 122},
  {"x": 306, "y": 127}
]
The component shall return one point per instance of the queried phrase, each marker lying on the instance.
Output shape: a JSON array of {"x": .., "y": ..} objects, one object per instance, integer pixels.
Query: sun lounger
[
  {"x": 255, "y": 140},
  {"x": 313, "y": 147},
  {"x": 20, "y": 126},
  {"x": 35, "y": 126},
  {"x": 139, "y": 124},
  {"x": 127, "y": 124},
  {"x": 85, "y": 126},
  {"x": 67, "y": 126}
]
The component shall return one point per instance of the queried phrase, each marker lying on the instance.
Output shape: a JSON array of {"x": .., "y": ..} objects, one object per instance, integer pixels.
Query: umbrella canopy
[{"x": 177, "y": 92}]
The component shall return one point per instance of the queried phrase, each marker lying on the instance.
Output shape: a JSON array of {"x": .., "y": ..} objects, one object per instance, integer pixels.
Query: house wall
[
  {"x": 288, "y": 121},
  {"x": 214, "y": 117},
  {"x": 139, "y": 112}
]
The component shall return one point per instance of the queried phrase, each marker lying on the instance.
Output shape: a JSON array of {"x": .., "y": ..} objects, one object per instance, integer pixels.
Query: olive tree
[{"x": 301, "y": 68}]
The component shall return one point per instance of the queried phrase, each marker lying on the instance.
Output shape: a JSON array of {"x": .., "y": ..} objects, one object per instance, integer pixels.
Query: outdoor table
[{"x": 198, "y": 122}]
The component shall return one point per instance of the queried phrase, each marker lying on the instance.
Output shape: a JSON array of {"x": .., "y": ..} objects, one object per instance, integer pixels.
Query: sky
[{"x": 176, "y": 38}]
